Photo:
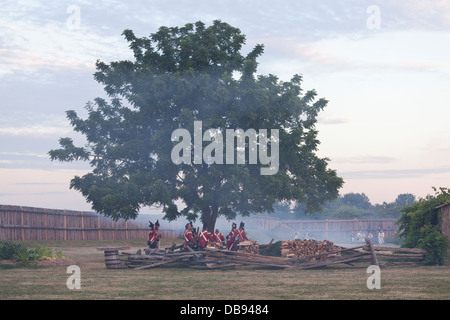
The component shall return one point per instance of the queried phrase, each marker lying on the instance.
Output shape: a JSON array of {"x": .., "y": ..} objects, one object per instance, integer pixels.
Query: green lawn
[{"x": 97, "y": 282}]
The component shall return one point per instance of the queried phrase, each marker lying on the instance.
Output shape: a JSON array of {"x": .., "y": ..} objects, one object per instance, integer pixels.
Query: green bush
[
  {"x": 23, "y": 255},
  {"x": 419, "y": 226},
  {"x": 274, "y": 250},
  {"x": 436, "y": 245},
  {"x": 9, "y": 249}
]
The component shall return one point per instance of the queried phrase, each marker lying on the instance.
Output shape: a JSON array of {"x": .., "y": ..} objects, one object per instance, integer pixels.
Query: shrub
[
  {"x": 23, "y": 255},
  {"x": 419, "y": 226},
  {"x": 9, "y": 249}
]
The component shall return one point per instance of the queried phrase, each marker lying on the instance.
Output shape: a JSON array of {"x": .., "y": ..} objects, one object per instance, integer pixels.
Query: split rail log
[{"x": 391, "y": 255}]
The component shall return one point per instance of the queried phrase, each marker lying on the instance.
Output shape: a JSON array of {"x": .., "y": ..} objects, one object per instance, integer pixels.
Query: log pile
[
  {"x": 301, "y": 248},
  {"x": 330, "y": 255},
  {"x": 250, "y": 246}
]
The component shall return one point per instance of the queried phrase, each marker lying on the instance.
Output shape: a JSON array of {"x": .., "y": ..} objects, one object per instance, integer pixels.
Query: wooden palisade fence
[{"x": 28, "y": 223}]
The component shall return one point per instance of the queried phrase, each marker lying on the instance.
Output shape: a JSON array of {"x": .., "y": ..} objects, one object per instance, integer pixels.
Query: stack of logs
[
  {"x": 250, "y": 246},
  {"x": 300, "y": 248}
]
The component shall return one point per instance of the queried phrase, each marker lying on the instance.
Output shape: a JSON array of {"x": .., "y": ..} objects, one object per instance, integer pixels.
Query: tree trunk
[{"x": 209, "y": 217}]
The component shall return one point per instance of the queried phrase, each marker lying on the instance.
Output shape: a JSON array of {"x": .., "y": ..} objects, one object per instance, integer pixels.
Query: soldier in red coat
[
  {"x": 204, "y": 237},
  {"x": 189, "y": 240},
  {"x": 154, "y": 235},
  {"x": 232, "y": 238},
  {"x": 242, "y": 236},
  {"x": 219, "y": 237}
]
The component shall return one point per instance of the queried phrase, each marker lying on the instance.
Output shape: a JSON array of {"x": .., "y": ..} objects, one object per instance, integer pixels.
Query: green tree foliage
[
  {"x": 357, "y": 200},
  {"x": 419, "y": 226},
  {"x": 347, "y": 206},
  {"x": 180, "y": 75}
]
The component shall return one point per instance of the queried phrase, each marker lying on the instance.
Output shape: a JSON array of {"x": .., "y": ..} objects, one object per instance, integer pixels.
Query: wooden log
[
  {"x": 412, "y": 256},
  {"x": 374, "y": 260},
  {"x": 318, "y": 264},
  {"x": 160, "y": 263},
  {"x": 113, "y": 248},
  {"x": 396, "y": 249}
]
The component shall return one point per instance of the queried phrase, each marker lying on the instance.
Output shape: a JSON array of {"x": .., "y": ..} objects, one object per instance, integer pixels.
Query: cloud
[
  {"x": 394, "y": 173},
  {"x": 33, "y": 39},
  {"x": 38, "y": 183},
  {"x": 332, "y": 120},
  {"x": 35, "y": 130},
  {"x": 429, "y": 15},
  {"x": 365, "y": 159},
  {"x": 23, "y": 161},
  {"x": 44, "y": 193}
]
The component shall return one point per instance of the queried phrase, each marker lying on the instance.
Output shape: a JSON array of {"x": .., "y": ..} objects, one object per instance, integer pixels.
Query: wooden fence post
[
  {"x": 98, "y": 226},
  {"x": 45, "y": 223},
  {"x": 65, "y": 225},
  {"x": 374, "y": 259},
  {"x": 82, "y": 226},
  {"x": 22, "y": 231}
]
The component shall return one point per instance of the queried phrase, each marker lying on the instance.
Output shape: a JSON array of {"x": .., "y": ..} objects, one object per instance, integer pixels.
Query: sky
[{"x": 383, "y": 66}]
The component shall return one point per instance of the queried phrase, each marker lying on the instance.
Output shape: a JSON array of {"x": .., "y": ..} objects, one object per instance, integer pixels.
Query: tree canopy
[
  {"x": 348, "y": 206},
  {"x": 181, "y": 75}
]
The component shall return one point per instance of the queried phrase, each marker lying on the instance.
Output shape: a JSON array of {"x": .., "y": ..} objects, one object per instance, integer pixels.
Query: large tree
[{"x": 181, "y": 76}]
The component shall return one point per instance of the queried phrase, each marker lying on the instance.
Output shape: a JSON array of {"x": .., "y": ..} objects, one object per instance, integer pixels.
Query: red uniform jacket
[
  {"x": 153, "y": 236},
  {"x": 242, "y": 235},
  {"x": 204, "y": 237},
  {"x": 231, "y": 242},
  {"x": 218, "y": 237},
  {"x": 187, "y": 234}
]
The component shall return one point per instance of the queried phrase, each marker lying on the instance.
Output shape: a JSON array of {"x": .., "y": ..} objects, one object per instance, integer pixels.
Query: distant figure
[
  {"x": 352, "y": 237},
  {"x": 154, "y": 235},
  {"x": 231, "y": 238},
  {"x": 380, "y": 237},
  {"x": 360, "y": 237},
  {"x": 189, "y": 240},
  {"x": 242, "y": 236}
]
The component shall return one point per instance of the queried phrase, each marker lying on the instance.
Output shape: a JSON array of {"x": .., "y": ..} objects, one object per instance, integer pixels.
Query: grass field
[{"x": 98, "y": 283}]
